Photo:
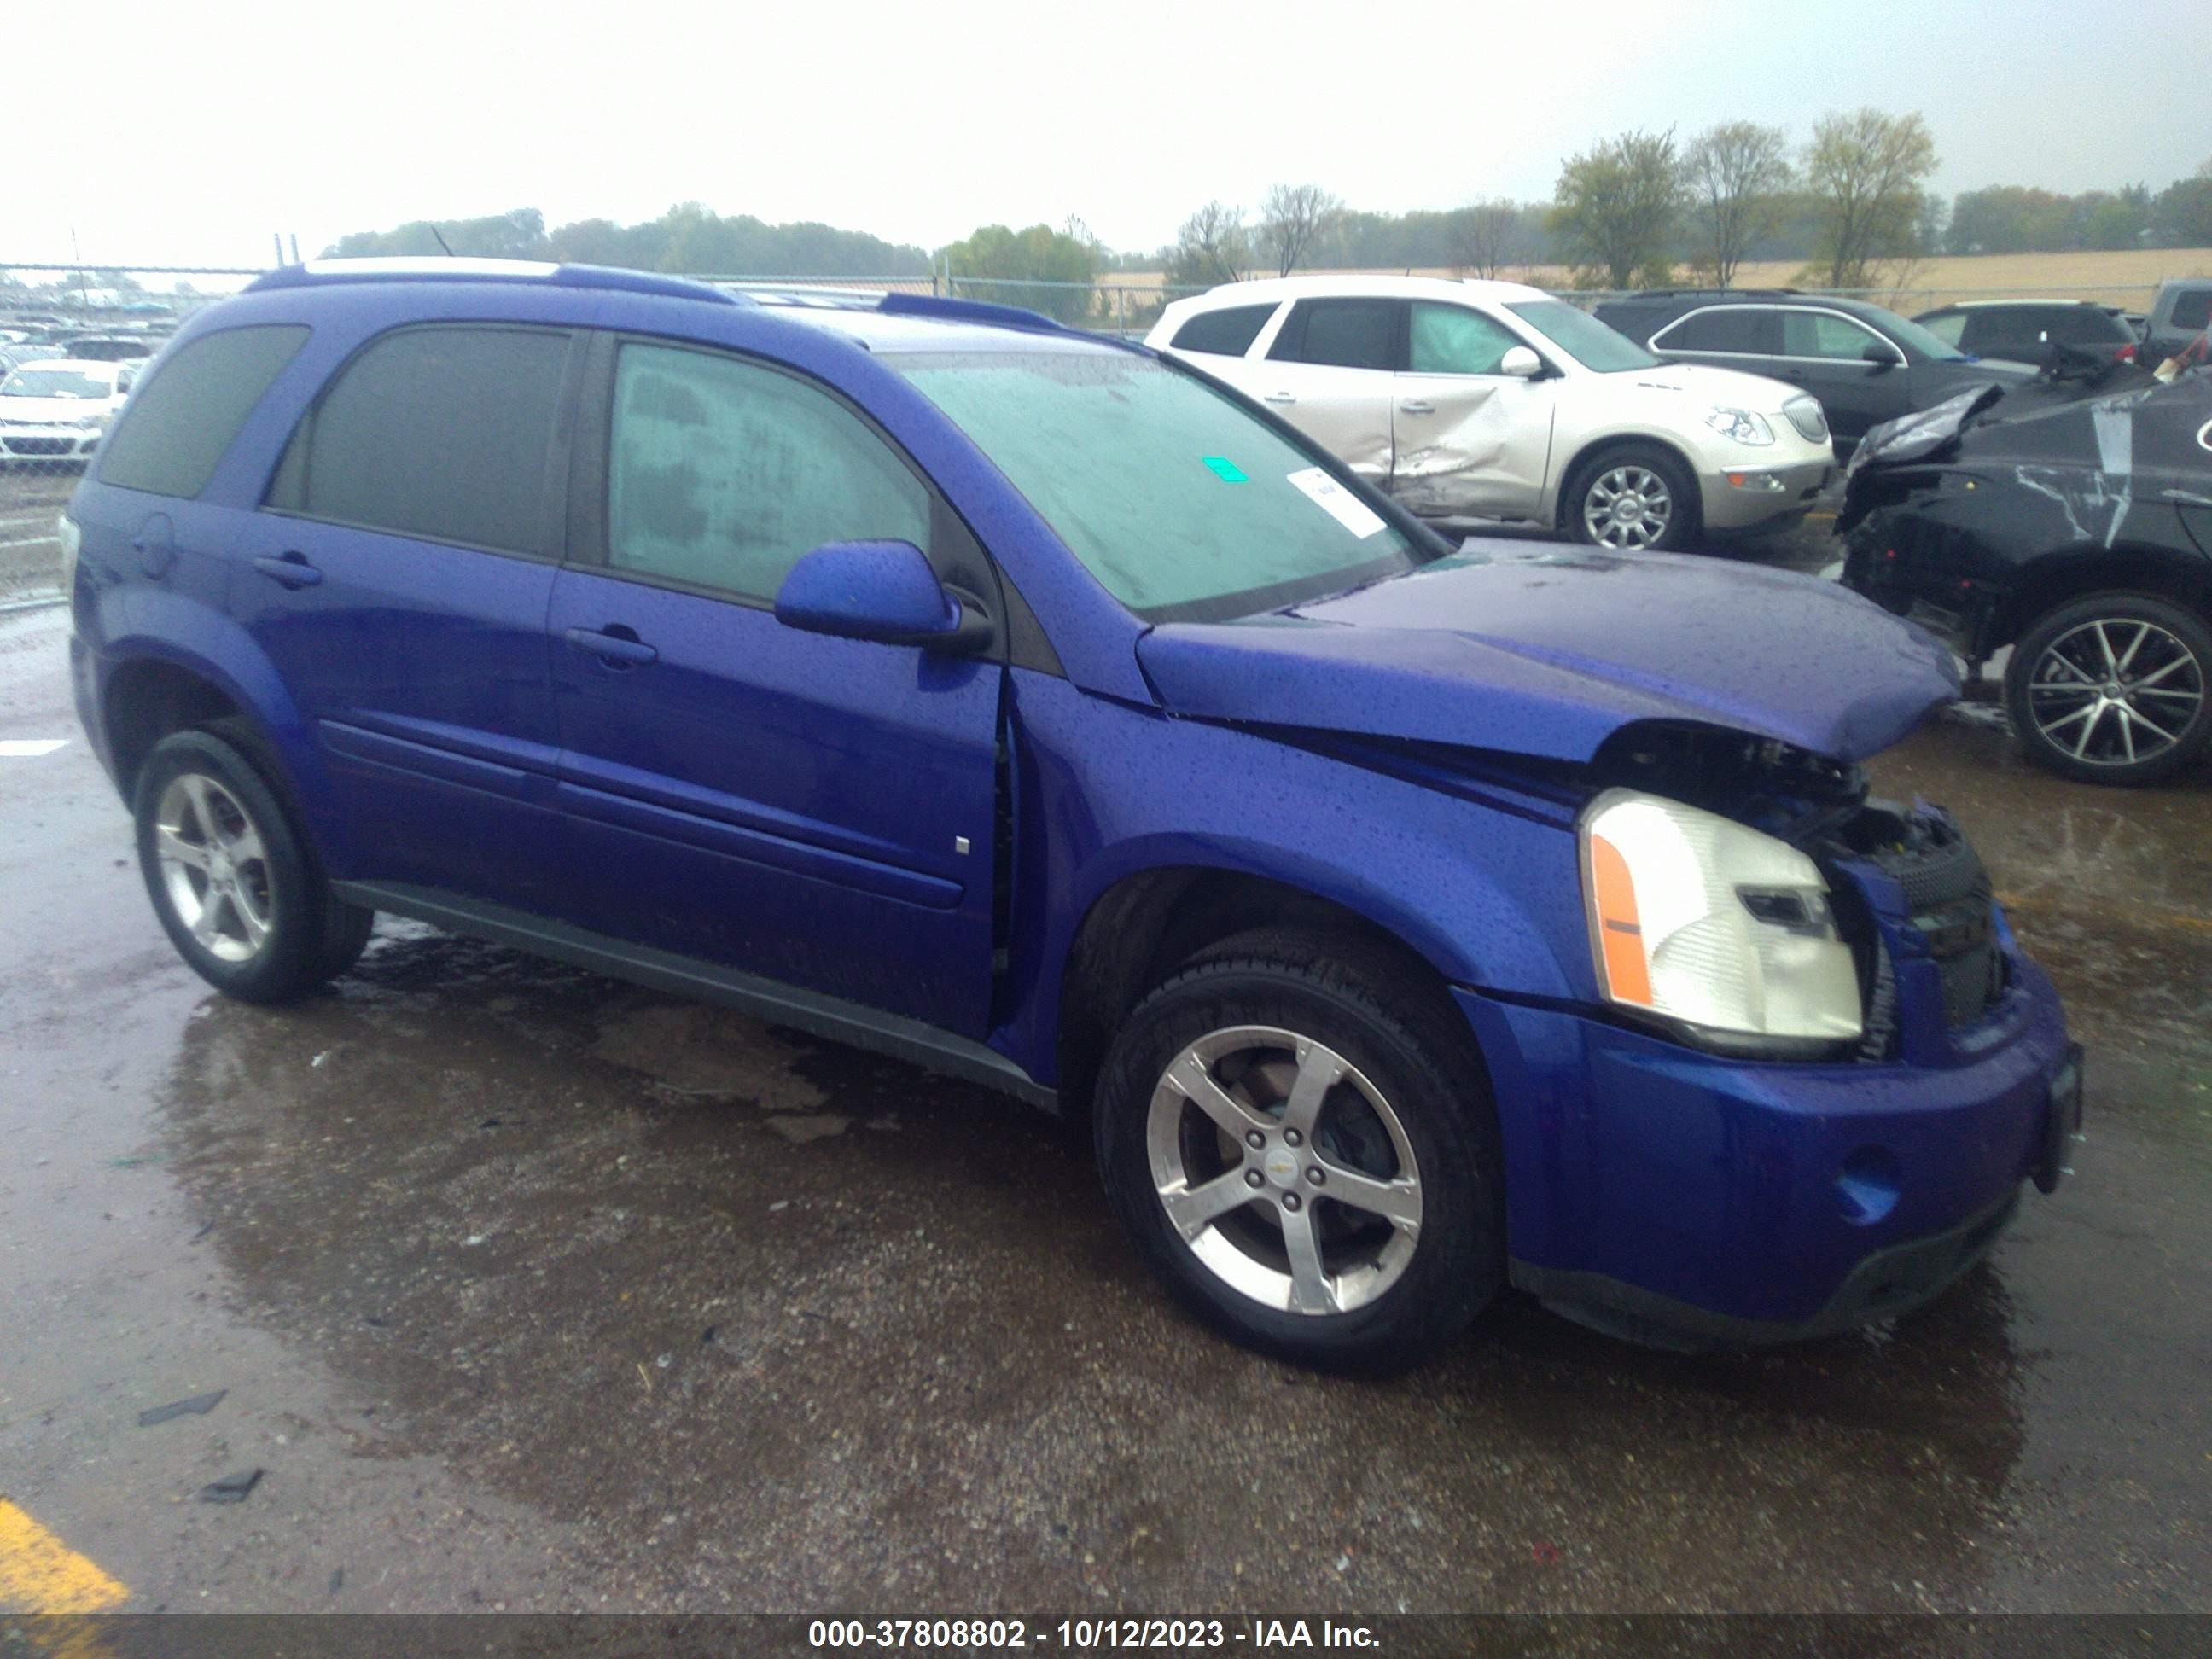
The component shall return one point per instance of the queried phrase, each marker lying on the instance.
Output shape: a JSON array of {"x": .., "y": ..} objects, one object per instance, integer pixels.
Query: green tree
[
  {"x": 519, "y": 235},
  {"x": 1864, "y": 172},
  {"x": 1039, "y": 255},
  {"x": 1616, "y": 209},
  {"x": 1735, "y": 174},
  {"x": 2181, "y": 215}
]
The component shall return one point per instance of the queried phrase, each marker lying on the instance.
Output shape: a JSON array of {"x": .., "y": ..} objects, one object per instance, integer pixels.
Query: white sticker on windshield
[{"x": 1339, "y": 503}]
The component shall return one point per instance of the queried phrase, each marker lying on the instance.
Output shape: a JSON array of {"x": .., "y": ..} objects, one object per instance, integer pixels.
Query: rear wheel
[
  {"x": 1298, "y": 1139},
  {"x": 230, "y": 875},
  {"x": 2113, "y": 688},
  {"x": 1635, "y": 499}
]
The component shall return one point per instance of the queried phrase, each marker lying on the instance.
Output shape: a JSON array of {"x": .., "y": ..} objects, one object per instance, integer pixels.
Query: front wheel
[
  {"x": 1300, "y": 1143},
  {"x": 2113, "y": 689},
  {"x": 1638, "y": 499}
]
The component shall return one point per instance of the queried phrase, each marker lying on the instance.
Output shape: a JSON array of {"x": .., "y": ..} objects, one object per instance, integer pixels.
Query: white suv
[{"x": 1493, "y": 400}]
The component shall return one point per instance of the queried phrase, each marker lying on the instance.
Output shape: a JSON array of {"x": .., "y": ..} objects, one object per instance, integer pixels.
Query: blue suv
[{"x": 1410, "y": 921}]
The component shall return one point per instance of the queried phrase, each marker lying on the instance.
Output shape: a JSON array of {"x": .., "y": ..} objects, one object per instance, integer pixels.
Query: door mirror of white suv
[{"x": 1520, "y": 363}]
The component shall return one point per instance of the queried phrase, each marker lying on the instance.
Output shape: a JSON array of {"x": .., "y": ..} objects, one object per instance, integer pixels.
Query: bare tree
[
  {"x": 1618, "y": 202},
  {"x": 1864, "y": 172},
  {"x": 1212, "y": 247},
  {"x": 1290, "y": 220},
  {"x": 1488, "y": 236},
  {"x": 1736, "y": 174}
]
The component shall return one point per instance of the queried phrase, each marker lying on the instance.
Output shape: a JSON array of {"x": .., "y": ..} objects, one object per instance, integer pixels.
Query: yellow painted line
[
  {"x": 39, "y": 1573},
  {"x": 1822, "y": 516}
]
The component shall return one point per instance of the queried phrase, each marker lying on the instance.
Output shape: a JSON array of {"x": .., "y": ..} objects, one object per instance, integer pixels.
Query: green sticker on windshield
[{"x": 1223, "y": 469}]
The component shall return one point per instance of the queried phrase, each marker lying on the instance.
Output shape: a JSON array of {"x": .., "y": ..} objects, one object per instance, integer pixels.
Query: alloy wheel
[
  {"x": 2116, "y": 691},
  {"x": 213, "y": 867},
  {"x": 1284, "y": 1170},
  {"x": 1628, "y": 506}
]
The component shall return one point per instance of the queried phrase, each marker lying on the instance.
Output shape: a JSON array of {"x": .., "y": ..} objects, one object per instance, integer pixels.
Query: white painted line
[
  {"x": 30, "y": 541},
  {"x": 29, "y": 748}
]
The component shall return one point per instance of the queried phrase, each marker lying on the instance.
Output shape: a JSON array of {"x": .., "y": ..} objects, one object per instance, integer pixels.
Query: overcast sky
[{"x": 185, "y": 133}]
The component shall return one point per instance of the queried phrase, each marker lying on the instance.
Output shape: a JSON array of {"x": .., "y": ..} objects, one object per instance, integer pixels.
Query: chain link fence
[{"x": 72, "y": 339}]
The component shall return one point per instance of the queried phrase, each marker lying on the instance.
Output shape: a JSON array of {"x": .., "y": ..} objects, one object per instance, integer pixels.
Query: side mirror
[
  {"x": 880, "y": 591},
  {"x": 1520, "y": 363},
  {"x": 1880, "y": 356}
]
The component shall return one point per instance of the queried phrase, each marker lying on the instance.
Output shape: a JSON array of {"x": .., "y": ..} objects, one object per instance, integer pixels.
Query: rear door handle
[
  {"x": 1417, "y": 406},
  {"x": 624, "y": 648},
  {"x": 1280, "y": 398},
  {"x": 291, "y": 570}
]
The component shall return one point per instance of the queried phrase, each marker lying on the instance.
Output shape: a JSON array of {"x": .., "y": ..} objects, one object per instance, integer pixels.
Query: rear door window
[
  {"x": 178, "y": 427},
  {"x": 1743, "y": 330},
  {"x": 1342, "y": 333},
  {"x": 442, "y": 433},
  {"x": 1227, "y": 333}
]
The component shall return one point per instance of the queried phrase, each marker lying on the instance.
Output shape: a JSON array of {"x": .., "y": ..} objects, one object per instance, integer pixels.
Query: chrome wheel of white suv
[{"x": 1628, "y": 506}]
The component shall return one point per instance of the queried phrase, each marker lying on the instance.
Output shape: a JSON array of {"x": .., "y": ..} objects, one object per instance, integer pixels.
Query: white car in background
[
  {"x": 60, "y": 407},
  {"x": 1497, "y": 401}
]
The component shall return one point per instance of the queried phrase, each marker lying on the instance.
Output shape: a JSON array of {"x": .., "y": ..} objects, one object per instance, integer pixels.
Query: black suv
[
  {"x": 2024, "y": 331},
  {"x": 2076, "y": 529},
  {"x": 1866, "y": 365}
]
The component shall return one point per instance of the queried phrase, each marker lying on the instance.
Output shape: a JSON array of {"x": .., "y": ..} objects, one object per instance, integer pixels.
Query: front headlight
[
  {"x": 1702, "y": 920},
  {"x": 1741, "y": 425}
]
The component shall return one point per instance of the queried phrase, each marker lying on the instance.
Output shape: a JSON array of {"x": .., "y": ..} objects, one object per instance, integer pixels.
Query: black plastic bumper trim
[{"x": 1891, "y": 1281}]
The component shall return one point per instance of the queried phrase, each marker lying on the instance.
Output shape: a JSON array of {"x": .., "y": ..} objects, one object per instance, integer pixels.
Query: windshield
[
  {"x": 1917, "y": 337},
  {"x": 55, "y": 383},
  {"x": 1183, "y": 505},
  {"x": 1582, "y": 337}
]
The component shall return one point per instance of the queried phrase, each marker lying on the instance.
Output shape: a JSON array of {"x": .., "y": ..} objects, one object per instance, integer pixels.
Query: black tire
[
  {"x": 1684, "y": 511},
  {"x": 2154, "y": 637},
  {"x": 279, "y": 885},
  {"x": 346, "y": 927},
  {"x": 1405, "y": 1041}
]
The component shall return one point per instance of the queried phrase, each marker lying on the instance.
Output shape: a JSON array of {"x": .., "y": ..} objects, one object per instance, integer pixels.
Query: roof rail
[
  {"x": 317, "y": 273},
  {"x": 895, "y": 304}
]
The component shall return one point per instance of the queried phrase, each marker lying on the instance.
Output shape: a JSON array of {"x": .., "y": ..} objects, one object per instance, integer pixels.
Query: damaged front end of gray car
[{"x": 2071, "y": 520}]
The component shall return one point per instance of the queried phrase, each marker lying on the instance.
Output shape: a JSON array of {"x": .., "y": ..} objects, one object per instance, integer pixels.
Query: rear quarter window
[
  {"x": 2193, "y": 308},
  {"x": 1226, "y": 333},
  {"x": 177, "y": 427}
]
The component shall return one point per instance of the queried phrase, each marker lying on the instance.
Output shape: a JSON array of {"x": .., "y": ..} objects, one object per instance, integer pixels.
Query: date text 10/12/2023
[{"x": 1088, "y": 1635}]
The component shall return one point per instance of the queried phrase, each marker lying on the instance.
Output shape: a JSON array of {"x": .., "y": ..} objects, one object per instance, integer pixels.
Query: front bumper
[
  {"x": 1685, "y": 1198},
  {"x": 48, "y": 443},
  {"x": 1741, "y": 497}
]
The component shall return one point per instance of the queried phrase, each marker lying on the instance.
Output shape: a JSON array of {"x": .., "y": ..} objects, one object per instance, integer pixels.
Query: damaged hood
[{"x": 1548, "y": 650}]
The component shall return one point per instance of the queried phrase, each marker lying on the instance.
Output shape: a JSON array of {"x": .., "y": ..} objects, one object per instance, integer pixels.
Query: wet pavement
[{"x": 531, "y": 1289}]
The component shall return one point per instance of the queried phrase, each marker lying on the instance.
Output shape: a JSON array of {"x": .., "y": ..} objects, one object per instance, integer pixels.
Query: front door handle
[
  {"x": 1416, "y": 406},
  {"x": 617, "y": 645},
  {"x": 1280, "y": 398},
  {"x": 291, "y": 570}
]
